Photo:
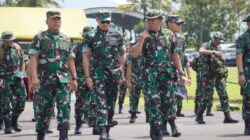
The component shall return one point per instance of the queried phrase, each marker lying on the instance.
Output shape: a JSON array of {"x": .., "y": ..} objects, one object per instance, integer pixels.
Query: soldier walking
[
  {"x": 14, "y": 94},
  {"x": 51, "y": 61},
  {"x": 109, "y": 57},
  {"x": 243, "y": 64}
]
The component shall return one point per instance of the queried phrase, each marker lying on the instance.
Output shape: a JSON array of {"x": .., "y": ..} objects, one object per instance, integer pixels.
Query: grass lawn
[{"x": 233, "y": 90}]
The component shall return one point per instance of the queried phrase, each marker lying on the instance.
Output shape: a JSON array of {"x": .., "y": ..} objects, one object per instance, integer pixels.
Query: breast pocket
[{"x": 47, "y": 48}]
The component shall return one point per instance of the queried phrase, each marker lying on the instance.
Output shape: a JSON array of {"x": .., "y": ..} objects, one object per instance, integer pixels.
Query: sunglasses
[
  {"x": 179, "y": 24},
  {"x": 107, "y": 22}
]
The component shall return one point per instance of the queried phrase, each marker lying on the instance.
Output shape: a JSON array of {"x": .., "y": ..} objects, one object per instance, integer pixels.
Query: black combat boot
[
  {"x": 1, "y": 124},
  {"x": 120, "y": 108},
  {"x": 8, "y": 128},
  {"x": 108, "y": 135},
  {"x": 164, "y": 128},
  {"x": 48, "y": 131},
  {"x": 155, "y": 132},
  {"x": 228, "y": 118},
  {"x": 209, "y": 113},
  {"x": 147, "y": 116},
  {"x": 195, "y": 108},
  {"x": 133, "y": 117},
  {"x": 103, "y": 133},
  {"x": 175, "y": 132},
  {"x": 78, "y": 125},
  {"x": 95, "y": 128},
  {"x": 63, "y": 134},
  {"x": 179, "y": 114},
  {"x": 199, "y": 118},
  {"x": 247, "y": 127},
  {"x": 14, "y": 124},
  {"x": 90, "y": 121},
  {"x": 40, "y": 134}
]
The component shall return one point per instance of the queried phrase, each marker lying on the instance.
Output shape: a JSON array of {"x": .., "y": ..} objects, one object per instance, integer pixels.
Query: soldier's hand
[
  {"x": 145, "y": 35},
  {"x": 185, "y": 80},
  {"x": 241, "y": 80},
  {"x": 218, "y": 53},
  {"x": 89, "y": 82},
  {"x": 34, "y": 84},
  {"x": 129, "y": 85},
  {"x": 74, "y": 85}
]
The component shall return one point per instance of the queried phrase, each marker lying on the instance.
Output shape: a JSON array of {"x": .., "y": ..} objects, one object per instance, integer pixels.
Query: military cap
[
  {"x": 53, "y": 14},
  {"x": 247, "y": 19},
  {"x": 104, "y": 15},
  {"x": 8, "y": 36},
  {"x": 174, "y": 19},
  {"x": 153, "y": 14},
  {"x": 88, "y": 30},
  {"x": 217, "y": 35}
]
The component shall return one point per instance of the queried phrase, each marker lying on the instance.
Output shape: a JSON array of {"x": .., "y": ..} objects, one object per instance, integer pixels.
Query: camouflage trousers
[
  {"x": 159, "y": 90},
  {"x": 13, "y": 97},
  {"x": 207, "y": 90},
  {"x": 105, "y": 83},
  {"x": 245, "y": 92},
  {"x": 81, "y": 104},
  {"x": 122, "y": 93},
  {"x": 50, "y": 92},
  {"x": 134, "y": 98}
]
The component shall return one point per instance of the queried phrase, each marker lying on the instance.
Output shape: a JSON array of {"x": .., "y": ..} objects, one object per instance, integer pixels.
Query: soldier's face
[
  {"x": 248, "y": 24},
  {"x": 54, "y": 24},
  {"x": 154, "y": 24},
  {"x": 174, "y": 27},
  {"x": 7, "y": 43},
  {"x": 103, "y": 25}
]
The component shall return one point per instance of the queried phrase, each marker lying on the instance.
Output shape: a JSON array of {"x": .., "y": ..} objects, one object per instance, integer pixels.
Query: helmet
[{"x": 217, "y": 35}]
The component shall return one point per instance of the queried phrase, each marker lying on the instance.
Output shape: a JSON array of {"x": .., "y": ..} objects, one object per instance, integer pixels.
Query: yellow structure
[{"x": 26, "y": 22}]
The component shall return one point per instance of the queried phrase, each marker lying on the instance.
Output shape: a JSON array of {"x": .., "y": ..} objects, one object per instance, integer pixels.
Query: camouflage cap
[
  {"x": 104, "y": 15},
  {"x": 8, "y": 36},
  {"x": 53, "y": 14},
  {"x": 217, "y": 35},
  {"x": 87, "y": 30},
  {"x": 247, "y": 19},
  {"x": 154, "y": 14},
  {"x": 174, "y": 19}
]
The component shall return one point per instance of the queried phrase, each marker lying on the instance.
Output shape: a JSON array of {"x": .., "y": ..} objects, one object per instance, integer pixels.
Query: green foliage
[{"x": 31, "y": 3}]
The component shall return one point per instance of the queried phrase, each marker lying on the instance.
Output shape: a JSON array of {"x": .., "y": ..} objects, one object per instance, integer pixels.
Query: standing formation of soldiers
[{"x": 94, "y": 69}]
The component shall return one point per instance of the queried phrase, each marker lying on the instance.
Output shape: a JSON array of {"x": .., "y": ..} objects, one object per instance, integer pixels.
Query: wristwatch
[
  {"x": 74, "y": 78},
  {"x": 241, "y": 73}
]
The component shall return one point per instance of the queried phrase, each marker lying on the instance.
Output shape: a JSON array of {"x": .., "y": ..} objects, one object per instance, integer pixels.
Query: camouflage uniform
[
  {"x": 134, "y": 95},
  {"x": 53, "y": 50},
  {"x": 243, "y": 47},
  {"x": 214, "y": 75},
  {"x": 122, "y": 94},
  {"x": 180, "y": 39},
  {"x": 13, "y": 99},
  {"x": 105, "y": 47}
]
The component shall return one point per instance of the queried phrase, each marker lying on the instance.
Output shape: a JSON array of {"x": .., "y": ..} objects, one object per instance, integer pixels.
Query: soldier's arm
[
  {"x": 129, "y": 73},
  {"x": 204, "y": 51},
  {"x": 122, "y": 64},
  {"x": 240, "y": 45},
  {"x": 72, "y": 70},
  {"x": 137, "y": 48}
]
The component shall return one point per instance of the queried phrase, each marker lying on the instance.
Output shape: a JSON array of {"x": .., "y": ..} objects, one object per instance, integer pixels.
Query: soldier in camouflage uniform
[
  {"x": 174, "y": 23},
  {"x": 243, "y": 64},
  {"x": 83, "y": 90},
  {"x": 160, "y": 60},
  {"x": 109, "y": 57},
  {"x": 134, "y": 85},
  {"x": 51, "y": 61},
  {"x": 214, "y": 75},
  {"x": 12, "y": 68},
  {"x": 1, "y": 92}
]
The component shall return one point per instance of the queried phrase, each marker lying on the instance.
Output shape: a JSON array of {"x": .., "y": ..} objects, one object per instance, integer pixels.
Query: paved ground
[{"x": 213, "y": 130}]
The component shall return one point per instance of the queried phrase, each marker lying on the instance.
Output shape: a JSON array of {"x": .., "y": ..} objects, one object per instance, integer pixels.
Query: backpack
[{"x": 16, "y": 46}]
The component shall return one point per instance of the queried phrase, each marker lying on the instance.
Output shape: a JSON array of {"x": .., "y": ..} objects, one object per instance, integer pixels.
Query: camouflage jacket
[
  {"x": 53, "y": 51},
  {"x": 106, "y": 47},
  {"x": 180, "y": 47},
  {"x": 243, "y": 46},
  {"x": 157, "y": 52},
  {"x": 11, "y": 60},
  {"x": 136, "y": 67}
]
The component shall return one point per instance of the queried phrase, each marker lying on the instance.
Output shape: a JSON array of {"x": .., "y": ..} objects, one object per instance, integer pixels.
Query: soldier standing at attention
[
  {"x": 51, "y": 61},
  {"x": 12, "y": 68},
  {"x": 83, "y": 90},
  {"x": 214, "y": 75},
  {"x": 160, "y": 61},
  {"x": 243, "y": 64},
  {"x": 109, "y": 57}
]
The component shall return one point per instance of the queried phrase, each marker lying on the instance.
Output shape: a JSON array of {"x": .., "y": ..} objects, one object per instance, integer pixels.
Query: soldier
[
  {"x": 214, "y": 75},
  {"x": 12, "y": 68},
  {"x": 82, "y": 93},
  {"x": 160, "y": 60},
  {"x": 50, "y": 64},
  {"x": 1, "y": 92},
  {"x": 109, "y": 57},
  {"x": 174, "y": 23},
  {"x": 242, "y": 60}
]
